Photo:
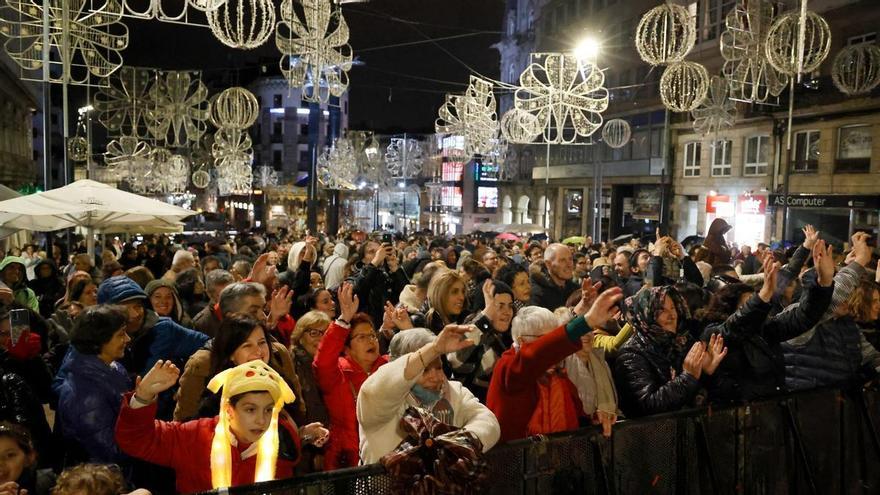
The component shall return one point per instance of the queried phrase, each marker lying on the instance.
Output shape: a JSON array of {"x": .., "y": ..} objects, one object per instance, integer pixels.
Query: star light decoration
[
  {"x": 565, "y": 94},
  {"x": 856, "y": 69},
  {"x": 743, "y": 47},
  {"x": 683, "y": 86},
  {"x": 316, "y": 55},
  {"x": 179, "y": 109},
  {"x": 83, "y": 35},
  {"x": 338, "y": 166},
  {"x": 470, "y": 115},
  {"x": 798, "y": 42},
  {"x": 122, "y": 104},
  {"x": 665, "y": 34},
  {"x": 616, "y": 133},
  {"x": 717, "y": 111},
  {"x": 404, "y": 158},
  {"x": 244, "y": 24}
]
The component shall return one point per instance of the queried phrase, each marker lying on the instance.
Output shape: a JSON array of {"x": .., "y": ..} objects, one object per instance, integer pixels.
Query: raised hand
[
  {"x": 393, "y": 260},
  {"x": 603, "y": 309},
  {"x": 661, "y": 246},
  {"x": 589, "y": 293},
  {"x": 811, "y": 235},
  {"x": 162, "y": 376},
  {"x": 380, "y": 256},
  {"x": 451, "y": 339},
  {"x": 279, "y": 305},
  {"x": 693, "y": 362},
  {"x": 823, "y": 260},
  {"x": 771, "y": 270},
  {"x": 348, "y": 302},
  {"x": 264, "y": 273},
  {"x": 402, "y": 319},
  {"x": 715, "y": 353},
  {"x": 861, "y": 251},
  {"x": 388, "y": 317}
]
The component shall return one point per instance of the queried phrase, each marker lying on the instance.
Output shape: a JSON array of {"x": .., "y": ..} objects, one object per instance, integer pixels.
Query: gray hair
[
  {"x": 232, "y": 294},
  {"x": 552, "y": 249},
  {"x": 180, "y": 256},
  {"x": 242, "y": 267},
  {"x": 533, "y": 320},
  {"x": 216, "y": 278},
  {"x": 408, "y": 341}
]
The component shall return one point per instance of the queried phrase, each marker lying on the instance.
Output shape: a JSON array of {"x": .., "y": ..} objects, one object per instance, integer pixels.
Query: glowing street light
[{"x": 587, "y": 49}]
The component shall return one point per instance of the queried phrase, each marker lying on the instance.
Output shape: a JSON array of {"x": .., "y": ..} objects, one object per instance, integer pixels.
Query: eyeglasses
[
  {"x": 365, "y": 336},
  {"x": 315, "y": 332}
]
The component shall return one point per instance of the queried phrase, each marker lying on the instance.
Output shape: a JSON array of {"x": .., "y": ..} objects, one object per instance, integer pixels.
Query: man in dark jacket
[
  {"x": 379, "y": 279},
  {"x": 47, "y": 286},
  {"x": 553, "y": 285}
]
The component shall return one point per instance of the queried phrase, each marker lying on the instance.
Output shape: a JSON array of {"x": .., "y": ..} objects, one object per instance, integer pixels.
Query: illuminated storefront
[{"x": 837, "y": 216}]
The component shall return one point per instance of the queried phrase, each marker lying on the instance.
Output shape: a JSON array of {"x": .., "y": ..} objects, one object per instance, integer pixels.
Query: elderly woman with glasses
[
  {"x": 309, "y": 331},
  {"x": 415, "y": 377},
  {"x": 347, "y": 354}
]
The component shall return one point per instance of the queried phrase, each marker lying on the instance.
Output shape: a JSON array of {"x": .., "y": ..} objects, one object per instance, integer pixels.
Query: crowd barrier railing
[{"x": 816, "y": 442}]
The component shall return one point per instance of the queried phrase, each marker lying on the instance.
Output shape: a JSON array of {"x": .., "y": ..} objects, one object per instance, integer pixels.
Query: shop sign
[
  {"x": 751, "y": 205},
  {"x": 825, "y": 201},
  {"x": 713, "y": 202}
]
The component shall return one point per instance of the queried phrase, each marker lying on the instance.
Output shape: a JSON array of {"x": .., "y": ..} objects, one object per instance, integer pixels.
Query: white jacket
[{"x": 383, "y": 398}]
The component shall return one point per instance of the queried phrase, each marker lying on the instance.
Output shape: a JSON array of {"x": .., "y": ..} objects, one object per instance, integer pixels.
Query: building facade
[{"x": 18, "y": 104}]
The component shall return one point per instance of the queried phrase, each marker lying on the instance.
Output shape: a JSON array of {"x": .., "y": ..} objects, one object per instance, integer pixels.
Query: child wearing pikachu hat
[{"x": 251, "y": 440}]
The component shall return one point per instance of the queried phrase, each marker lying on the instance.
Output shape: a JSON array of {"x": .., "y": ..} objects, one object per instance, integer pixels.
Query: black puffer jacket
[
  {"x": 374, "y": 286},
  {"x": 546, "y": 294},
  {"x": 19, "y": 404}
]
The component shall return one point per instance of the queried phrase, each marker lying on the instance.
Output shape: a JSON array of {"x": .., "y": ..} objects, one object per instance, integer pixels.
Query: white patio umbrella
[{"x": 93, "y": 205}]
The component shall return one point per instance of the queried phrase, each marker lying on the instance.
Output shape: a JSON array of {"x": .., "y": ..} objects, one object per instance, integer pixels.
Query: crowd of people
[{"x": 169, "y": 366}]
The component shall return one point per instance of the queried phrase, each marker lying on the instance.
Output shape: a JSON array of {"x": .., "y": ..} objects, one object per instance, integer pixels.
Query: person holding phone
[{"x": 379, "y": 277}]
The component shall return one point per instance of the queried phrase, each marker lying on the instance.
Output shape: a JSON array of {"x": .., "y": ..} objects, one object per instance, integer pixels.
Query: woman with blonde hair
[
  {"x": 447, "y": 301},
  {"x": 304, "y": 340}
]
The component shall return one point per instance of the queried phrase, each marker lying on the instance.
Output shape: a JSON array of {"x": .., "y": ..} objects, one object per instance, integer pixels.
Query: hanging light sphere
[
  {"x": 201, "y": 179},
  {"x": 235, "y": 108},
  {"x": 684, "y": 86},
  {"x": 78, "y": 149},
  {"x": 856, "y": 69},
  {"x": 782, "y": 43},
  {"x": 244, "y": 24},
  {"x": 616, "y": 133},
  {"x": 665, "y": 34},
  {"x": 520, "y": 126}
]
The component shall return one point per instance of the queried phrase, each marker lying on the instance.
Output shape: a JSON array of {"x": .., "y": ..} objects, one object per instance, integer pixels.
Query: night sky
[{"x": 391, "y": 89}]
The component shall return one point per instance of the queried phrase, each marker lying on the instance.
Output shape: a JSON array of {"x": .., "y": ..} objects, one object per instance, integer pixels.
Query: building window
[
  {"x": 511, "y": 23},
  {"x": 854, "y": 149},
  {"x": 276, "y": 159},
  {"x": 862, "y": 38},
  {"x": 721, "y": 158},
  {"x": 692, "y": 159},
  {"x": 304, "y": 130},
  {"x": 511, "y": 74},
  {"x": 277, "y": 101},
  {"x": 711, "y": 15},
  {"x": 806, "y": 152},
  {"x": 757, "y": 155}
]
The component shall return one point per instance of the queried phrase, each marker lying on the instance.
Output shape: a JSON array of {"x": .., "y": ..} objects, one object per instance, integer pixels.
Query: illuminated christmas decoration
[
  {"x": 746, "y": 69},
  {"x": 201, "y": 178},
  {"x": 235, "y": 108},
  {"x": 338, "y": 166},
  {"x": 616, "y": 133},
  {"x": 717, "y": 111},
  {"x": 77, "y": 149},
  {"x": 83, "y": 34},
  {"x": 231, "y": 145},
  {"x": 244, "y": 24},
  {"x": 122, "y": 104},
  {"x": 856, "y": 69},
  {"x": 520, "y": 126},
  {"x": 316, "y": 55},
  {"x": 266, "y": 176},
  {"x": 683, "y": 86},
  {"x": 566, "y": 95},
  {"x": 471, "y": 115},
  {"x": 665, "y": 34},
  {"x": 179, "y": 109},
  {"x": 404, "y": 158},
  {"x": 798, "y": 42},
  {"x": 128, "y": 157}
]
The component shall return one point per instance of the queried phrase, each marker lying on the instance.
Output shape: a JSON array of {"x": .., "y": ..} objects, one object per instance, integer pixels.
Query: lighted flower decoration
[
  {"x": 266, "y": 176},
  {"x": 83, "y": 34},
  {"x": 404, "y": 158},
  {"x": 127, "y": 156},
  {"x": 472, "y": 116},
  {"x": 746, "y": 69},
  {"x": 231, "y": 145},
  {"x": 122, "y": 104},
  {"x": 566, "y": 95},
  {"x": 180, "y": 109},
  {"x": 315, "y": 52},
  {"x": 170, "y": 175},
  {"x": 234, "y": 176},
  {"x": 717, "y": 111}
]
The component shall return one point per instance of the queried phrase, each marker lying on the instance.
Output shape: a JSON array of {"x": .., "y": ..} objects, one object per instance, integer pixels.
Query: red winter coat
[
  {"x": 340, "y": 379},
  {"x": 513, "y": 391},
  {"x": 186, "y": 447}
]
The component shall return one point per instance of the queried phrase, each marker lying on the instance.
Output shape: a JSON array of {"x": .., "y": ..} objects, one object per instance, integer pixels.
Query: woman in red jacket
[
  {"x": 340, "y": 376},
  {"x": 252, "y": 439}
]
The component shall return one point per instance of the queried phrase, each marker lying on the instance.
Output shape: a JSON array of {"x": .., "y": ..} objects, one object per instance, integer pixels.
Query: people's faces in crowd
[
  {"x": 312, "y": 337},
  {"x": 315, "y": 280},
  {"x": 363, "y": 345},
  {"x": 522, "y": 287},
  {"x": 250, "y": 416},
  {"x": 135, "y": 310},
  {"x": 81, "y": 263},
  {"x": 13, "y": 460},
  {"x": 89, "y": 296},
  {"x": 436, "y": 254},
  {"x": 253, "y": 307},
  {"x": 210, "y": 265},
  {"x": 490, "y": 259},
  {"x": 370, "y": 251},
  {"x": 254, "y": 347},
  {"x": 5, "y": 333},
  {"x": 114, "y": 349},
  {"x": 746, "y": 251},
  {"x": 560, "y": 265},
  {"x": 45, "y": 271},
  {"x": 642, "y": 261},
  {"x": 162, "y": 301},
  {"x": 621, "y": 265},
  {"x": 451, "y": 258},
  {"x": 582, "y": 266},
  {"x": 503, "y": 312},
  {"x": 453, "y": 301},
  {"x": 11, "y": 275},
  {"x": 667, "y": 319},
  {"x": 433, "y": 378},
  {"x": 273, "y": 258},
  {"x": 875, "y": 306},
  {"x": 536, "y": 254},
  {"x": 324, "y": 303},
  {"x": 412, "y": 255}
]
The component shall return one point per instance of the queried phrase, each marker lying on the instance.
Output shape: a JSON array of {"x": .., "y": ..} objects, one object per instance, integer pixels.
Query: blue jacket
[
  {"x": 89, "y": 396},
  {"x": 161, "y": 338}
]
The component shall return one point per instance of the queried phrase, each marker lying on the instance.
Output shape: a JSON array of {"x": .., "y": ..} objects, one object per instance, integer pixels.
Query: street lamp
[{"x": 587, "y": 49}]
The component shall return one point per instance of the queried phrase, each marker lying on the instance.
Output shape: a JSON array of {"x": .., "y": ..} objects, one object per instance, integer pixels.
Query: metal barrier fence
[{"x": 818, "y": 442}]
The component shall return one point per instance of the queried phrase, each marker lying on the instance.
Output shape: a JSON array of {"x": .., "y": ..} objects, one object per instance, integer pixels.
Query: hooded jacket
[
  {"x": 21, "y": 292},
  {"x": 334, "y": 265},
  {"x": 47, "y": 289},
  {"x": 177, "y": 314},
  {"x": 719, "y": 252}
]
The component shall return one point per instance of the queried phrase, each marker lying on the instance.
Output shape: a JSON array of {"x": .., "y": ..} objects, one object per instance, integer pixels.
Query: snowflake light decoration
[
  {"x": 338, "y": 166},
  {"x": 316, "y": 55},
  {"x": 404, "y": 158},
  {"x": 749, "y": 74},
  {"x": 471, "y": 115},
  {"x": 235, "y": 108},
  {"x": 84, "y": 34},
  {"x": 244, "y": 24},
  {"x": 717, "y": 111},
  {"x": 856, "y": 69},
  {"x": 171, "y": 175},
  {"x": 616, "y": 133},
  {"x": 266, "y": 176},
  {"x": 122, "y": 104},
  {"x": 566, "y": 95},
  {"x": 683, "y": 86},
  {"x": 180, "y": 109},
  {"x": 520, "y": 126},
  {"x": 665, "y": 34},
  {"x": 798, "y": 44}
]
